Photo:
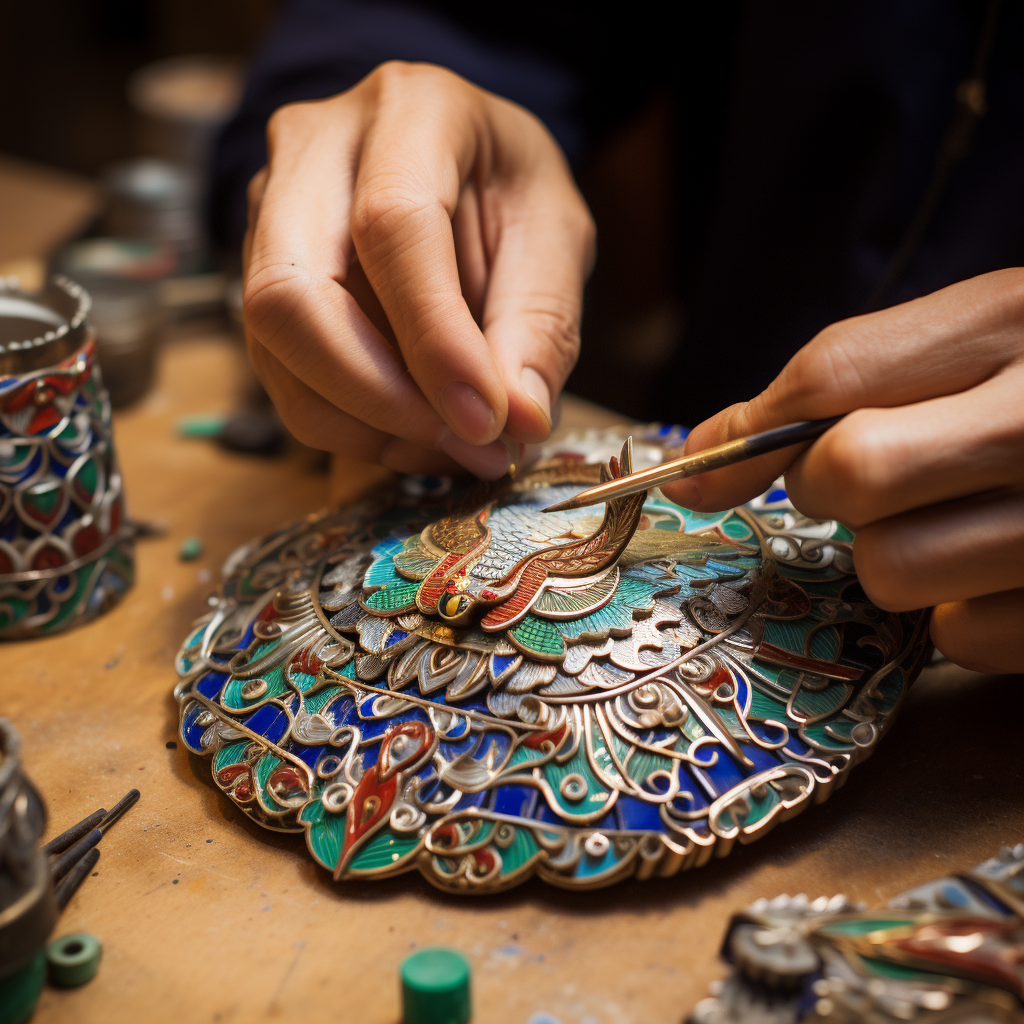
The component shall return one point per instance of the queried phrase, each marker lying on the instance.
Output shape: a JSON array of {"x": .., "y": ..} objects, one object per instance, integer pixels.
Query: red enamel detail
[
  {"x": 287, "y": 782},
  {"x": 536, "y": 740},
  {"x": 530, "y": 582},
  {"x": 372, "y": 800},
  {"x": 306, "y": 661},
  {"x": 87, "y": 539},
  {"x": 269, "y": 613},
  {"x": 47, "y": 558}
]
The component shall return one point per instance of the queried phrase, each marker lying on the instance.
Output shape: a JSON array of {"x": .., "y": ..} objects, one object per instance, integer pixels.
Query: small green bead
[
  {"x": 201, "y": 426},
  {"x": 435, "y": 987},
  {"x": 191, "y": 548},
  {"x": 19, "y": 992},
  {"x": 74, "y": 959}
]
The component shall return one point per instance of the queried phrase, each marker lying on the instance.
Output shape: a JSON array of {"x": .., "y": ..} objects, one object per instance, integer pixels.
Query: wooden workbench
[{"x": 206, "y": 917}]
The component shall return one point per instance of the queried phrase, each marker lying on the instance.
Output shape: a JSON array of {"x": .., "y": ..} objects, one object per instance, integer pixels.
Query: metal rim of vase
[{"x": 60, "y": 295}]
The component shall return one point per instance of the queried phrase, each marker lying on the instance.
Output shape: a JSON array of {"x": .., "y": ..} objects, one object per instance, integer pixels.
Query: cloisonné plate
[{"x": 461, "y": 684}]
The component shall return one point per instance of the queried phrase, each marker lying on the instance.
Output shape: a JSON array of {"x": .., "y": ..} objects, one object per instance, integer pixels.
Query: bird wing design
[{"x": 583, "y": 557}]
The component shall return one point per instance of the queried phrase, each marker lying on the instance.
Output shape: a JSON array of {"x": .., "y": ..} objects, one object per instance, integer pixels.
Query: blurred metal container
[
  {"x": 66, "y": 547},
  {"x": 28, "y": 910},
  {"x": 184, "y": 102},
  {"x": 124, "y": 278},
  {"x": 155, "y": 201}
]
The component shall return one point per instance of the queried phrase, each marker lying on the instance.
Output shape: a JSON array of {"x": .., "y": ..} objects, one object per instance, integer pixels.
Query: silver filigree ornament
[
  {"x": 66, "y": 547},
  {"x": 462, "y": 685}
]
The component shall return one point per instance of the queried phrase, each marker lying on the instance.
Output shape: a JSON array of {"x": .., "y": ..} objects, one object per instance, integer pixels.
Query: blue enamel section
[{"x": 211, "y": 684}]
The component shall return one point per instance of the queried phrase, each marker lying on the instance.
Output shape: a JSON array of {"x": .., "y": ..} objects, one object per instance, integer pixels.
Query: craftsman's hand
[
  {"x": 927, "y": 468},
  {"x": 414, "y": 268}
]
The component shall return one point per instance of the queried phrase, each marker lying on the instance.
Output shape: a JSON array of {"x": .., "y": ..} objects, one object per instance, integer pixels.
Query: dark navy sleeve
[{"x": 318, "y": 48}]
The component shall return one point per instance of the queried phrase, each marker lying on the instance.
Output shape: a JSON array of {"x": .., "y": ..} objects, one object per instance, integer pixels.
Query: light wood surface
[
  {"x": 40, "y": 208},
  {"x": 207, "y": 918}
]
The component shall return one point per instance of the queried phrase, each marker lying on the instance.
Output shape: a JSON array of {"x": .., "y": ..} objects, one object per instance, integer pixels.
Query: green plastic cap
[{"x": 435, "y": 987}]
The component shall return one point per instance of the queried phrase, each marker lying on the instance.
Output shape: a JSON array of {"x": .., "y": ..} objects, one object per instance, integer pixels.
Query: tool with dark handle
[{"x": 727, "y": 454}]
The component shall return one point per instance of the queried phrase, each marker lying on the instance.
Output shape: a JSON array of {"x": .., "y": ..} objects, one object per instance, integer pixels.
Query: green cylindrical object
[
  {"x": 19, "y": 992},
  {"x": 74, "y": 959},
  {"x": 435, "y": 987}
]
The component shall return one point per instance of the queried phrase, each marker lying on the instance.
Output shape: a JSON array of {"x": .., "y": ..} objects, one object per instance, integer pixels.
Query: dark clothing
[{"x": 806, "y": 137}]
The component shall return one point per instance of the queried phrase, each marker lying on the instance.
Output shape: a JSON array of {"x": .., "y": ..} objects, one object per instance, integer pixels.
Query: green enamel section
[
  {"x": 18, "y": 608},
  {"x": 760, "y": 807},
  {"x": 890, "y": 689},
  {"x": 69, "y": 605},
  {"x": 383, "y": 850},
  {"x": 303, "y": 681},
  {"x": 843, "y": 534},
  {"x": 862, "y": 927},
  {"x": 792, "y": 636},
  {"x": 315, "y": 703},
  {"x": 231, "y": 754},
  {"x": 44, "y": 499},
  {"x": 233, "y": 700},
  {"x": 642, "y": 763},
  {"x": 593, "y": 867},
  {"x": 521, "y": 851},
  {"x": 618, "y": 613},
  {"x": 348, "y": 670},
  {"x": 265, "y": 766},
  {"x": 736, "y": 529},
  {"x": 731, "y": 721},
  {"x": 87, "y": 477},
  {"x": 394, "y": 598},
  {"x": 817, "y": 703},
  {"x": 326, "y": 833},
  {"x": 884, "y": 969},
  {"x": 524, "y": 756},
  {"x": 382, "y": 572},
  {"x": 816, "y": 735},
  {"x": 539, "y": 636},
  {"x": 596, "y": 794},
  {"x": 763, "y": 707}
]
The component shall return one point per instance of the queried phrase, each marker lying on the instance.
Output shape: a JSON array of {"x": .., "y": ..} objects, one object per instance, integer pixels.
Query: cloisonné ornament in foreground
[{"x": 468, "y": 687}]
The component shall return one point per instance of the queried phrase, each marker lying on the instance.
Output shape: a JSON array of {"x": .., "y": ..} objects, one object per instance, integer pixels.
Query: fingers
[
  {"x": 950, "y": 552},
  {"x": 942, "y": 344},
  {"x": 317, "y": 423},
  {"x": 725, "y": 488},
  {"x": 535, "y": 296},
  {"x": 878, "y": 463},
  {"x": 985, "y": 634},
  {"x": 294, "y": 305},
  {"x": 413, "y": 163}
]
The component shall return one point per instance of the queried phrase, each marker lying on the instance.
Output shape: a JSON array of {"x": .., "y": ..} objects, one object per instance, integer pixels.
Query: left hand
[{"x": 927, "y": 468}]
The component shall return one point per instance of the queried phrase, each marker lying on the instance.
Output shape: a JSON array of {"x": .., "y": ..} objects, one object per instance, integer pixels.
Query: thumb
[{"x": 733, "y": 485}]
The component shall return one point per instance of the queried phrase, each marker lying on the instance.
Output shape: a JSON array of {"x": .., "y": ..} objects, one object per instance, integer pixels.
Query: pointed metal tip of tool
[{"x": 561, "y": 506}]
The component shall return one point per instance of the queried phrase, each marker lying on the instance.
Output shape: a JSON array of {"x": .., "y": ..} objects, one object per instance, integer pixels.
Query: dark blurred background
[
  {"x": 106, "y": 83},
  {"x": 64, "y": 65}
]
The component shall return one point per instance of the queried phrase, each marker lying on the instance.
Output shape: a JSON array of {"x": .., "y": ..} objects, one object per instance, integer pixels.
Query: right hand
[{"x": 414, "y": 269}]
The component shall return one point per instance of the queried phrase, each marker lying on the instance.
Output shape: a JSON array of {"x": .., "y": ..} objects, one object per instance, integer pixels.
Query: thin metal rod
[
  {"x": 727, "y": 454},
  {"x": 61, "y": 865},
  {"x": 74, "y": 878},
  {"x": 127, "y": 801},
  {"x": 60, "y": 843}
]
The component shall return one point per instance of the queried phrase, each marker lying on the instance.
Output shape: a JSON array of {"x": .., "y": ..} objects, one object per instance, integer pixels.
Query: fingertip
[
  {"x": 488, "y": 461},
  {"x": 470, "y": 415},
  {"x": 685, "y": 493}
]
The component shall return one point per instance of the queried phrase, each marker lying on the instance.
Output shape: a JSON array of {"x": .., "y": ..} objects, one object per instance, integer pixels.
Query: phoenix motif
[{"x": 466, "y": 686}]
